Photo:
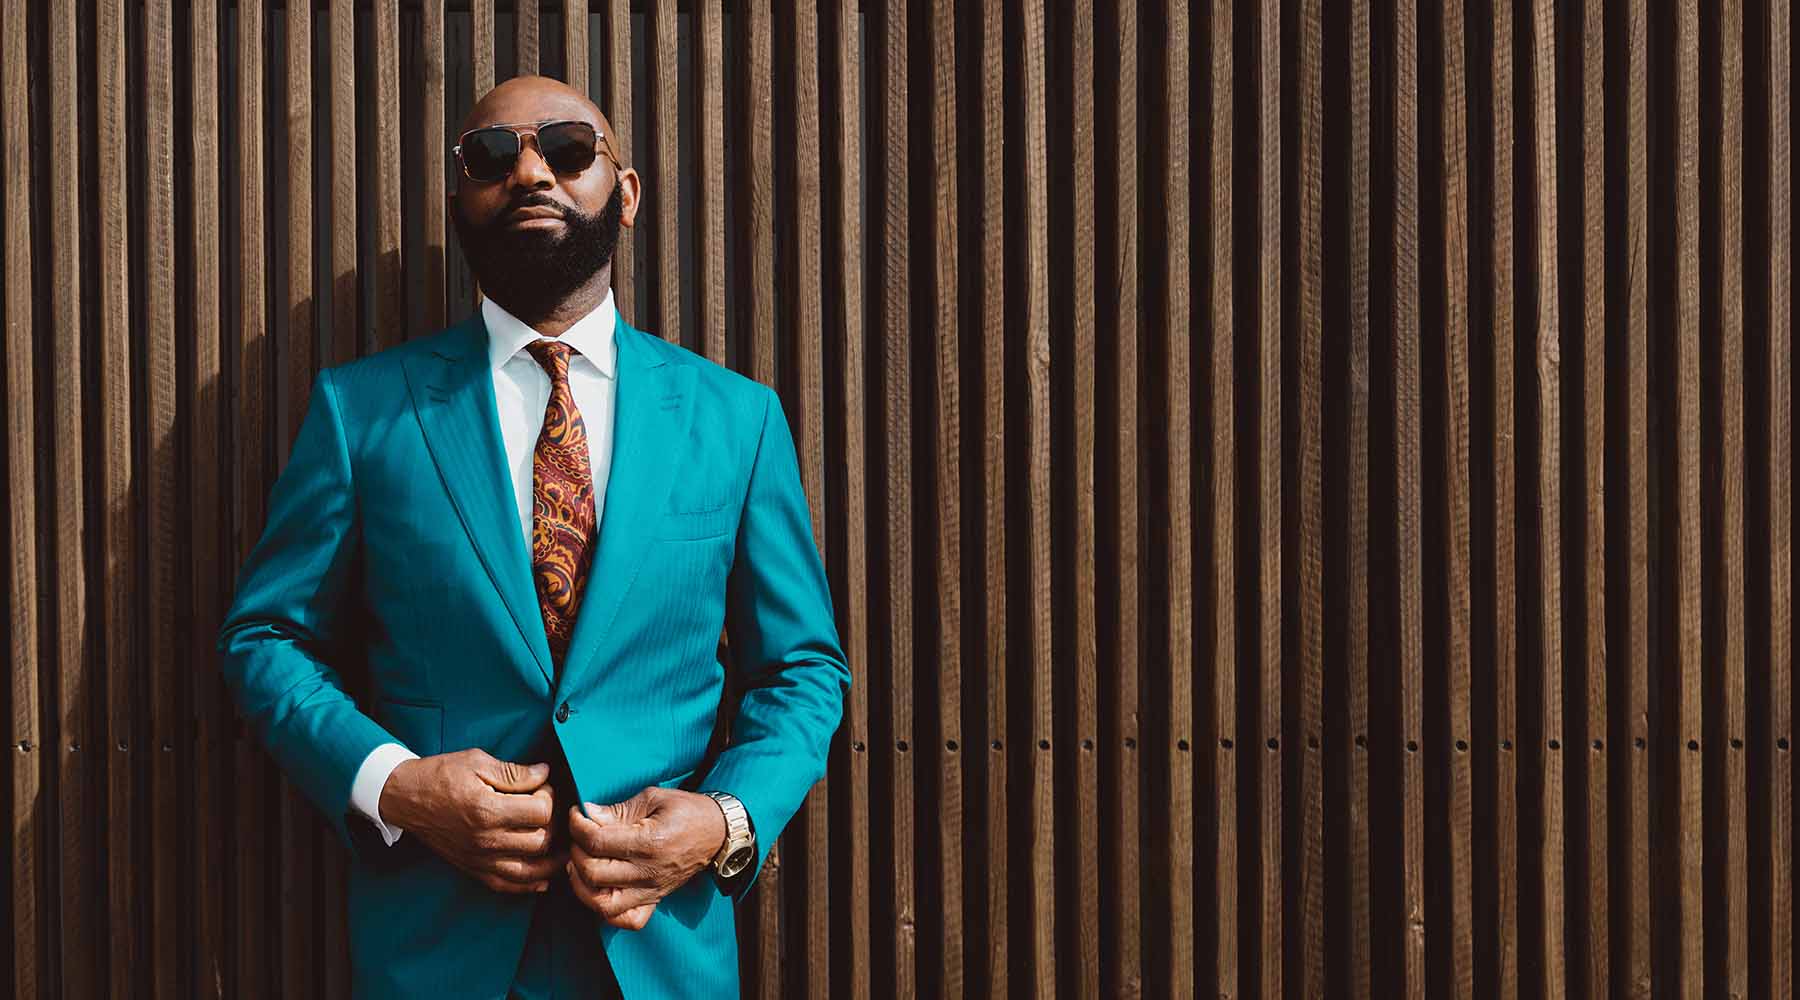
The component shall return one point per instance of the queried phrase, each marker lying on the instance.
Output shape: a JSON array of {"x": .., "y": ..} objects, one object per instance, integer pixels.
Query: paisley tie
[{"x": 562, "y": 500}]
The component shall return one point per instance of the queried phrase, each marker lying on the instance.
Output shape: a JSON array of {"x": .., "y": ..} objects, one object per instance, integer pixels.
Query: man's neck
[{"x": 560, "y": 317}]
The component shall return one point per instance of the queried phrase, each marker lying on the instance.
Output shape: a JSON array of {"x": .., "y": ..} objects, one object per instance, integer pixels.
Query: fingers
[
  {"x": 632, "y": 841},
  {"x": 520, "y": 811},
  {"x": 506, "y": 776},
  {"x": 531, "y": 874},
  {"x": 603, "y": 873},
  {"x": 619, "y": 906},
  {"x": 633, "y": 919},
  {"x": 520, "y": 843}
]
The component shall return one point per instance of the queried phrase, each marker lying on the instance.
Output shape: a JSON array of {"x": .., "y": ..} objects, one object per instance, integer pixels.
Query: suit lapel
[
  {"x": 652, "y": 414},
  {"x": 453, "y": 394}
]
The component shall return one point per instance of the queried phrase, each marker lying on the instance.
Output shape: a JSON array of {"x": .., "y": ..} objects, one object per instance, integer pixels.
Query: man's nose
[{"x": 530, "y": 170}]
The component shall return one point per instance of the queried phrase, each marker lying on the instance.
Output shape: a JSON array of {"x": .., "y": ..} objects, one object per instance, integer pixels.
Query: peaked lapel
[
  {"x": 652, "y": 413},
  {"x": 453, "y": 394}
]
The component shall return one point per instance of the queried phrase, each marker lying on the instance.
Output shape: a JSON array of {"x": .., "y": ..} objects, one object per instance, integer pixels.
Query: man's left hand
[{"x": 625, "y": 857}]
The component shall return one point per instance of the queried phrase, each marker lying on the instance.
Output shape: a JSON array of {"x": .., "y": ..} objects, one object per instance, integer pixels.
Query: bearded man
[{"x": 531, "y": 529}]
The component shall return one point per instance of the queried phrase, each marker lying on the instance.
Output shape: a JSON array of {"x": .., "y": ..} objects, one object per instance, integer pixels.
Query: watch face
[{"x": 738, "y": 860}]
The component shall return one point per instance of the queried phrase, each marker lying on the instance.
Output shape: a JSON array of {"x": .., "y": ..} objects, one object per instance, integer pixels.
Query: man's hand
[
  {"x": 628, "y": 856},
  {"x": 490, "y": 818}
]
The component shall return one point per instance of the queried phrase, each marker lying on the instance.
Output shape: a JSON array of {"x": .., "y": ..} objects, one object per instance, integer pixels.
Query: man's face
[{"x": 535, "y": 235}]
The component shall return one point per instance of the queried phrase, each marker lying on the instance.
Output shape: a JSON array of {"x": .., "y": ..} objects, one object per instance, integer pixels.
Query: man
[{"x": 531, "y": 529}]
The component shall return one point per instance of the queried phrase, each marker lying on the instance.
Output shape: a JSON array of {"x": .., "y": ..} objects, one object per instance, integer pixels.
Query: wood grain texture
[
  {"x": 615, "y": 102},
  {"x": 1593, "y": 970},
  {"x": 1408, "y": 596},
  {"x": 664, "y": 188},
  {"x": 843, "y": 261},
  {"x": 1307, "y": 743},
  {"x": 889, "y": 43},
  {"x": 1503, "y": 420},
  {"x": 1267, "y": 288},
  {"x": 1219, "y": 605},
  {"x": 1457, "y": 513},
  {"x": 1037, "y": 362},
  {"x": 345, "y": 328},
  {"x": 947, "y": 470},
  {"x": 482, "y": 44},
  {"x": 389, "y": 321},
  {"x": 1688, "y": 666},
  {"x": 526, "y": 43},
  {"x": 1355, "y": 502},
  {"x": 434, "y": 144},
  {"x": 25, "y": 743},
  {"x": 1637, "y": 973},
  {"x": 118, "y": 496},
  {"x": 575, "y": 44},
  {"x": 1780, "y": 501},
  {"x": 709, "y": 145},
  {"x": 203, "y": 398}
]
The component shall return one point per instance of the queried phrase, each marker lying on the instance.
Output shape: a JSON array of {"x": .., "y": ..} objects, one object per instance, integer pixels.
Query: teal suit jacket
[{"x": 393, "y": 539}]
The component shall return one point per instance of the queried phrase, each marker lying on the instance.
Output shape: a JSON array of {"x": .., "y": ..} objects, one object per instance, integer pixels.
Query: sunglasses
[{"x": 488, "y": 154}]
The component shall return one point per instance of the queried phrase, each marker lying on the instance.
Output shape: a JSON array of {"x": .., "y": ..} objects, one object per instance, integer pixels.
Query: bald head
[{"x": 537, "y": 99}]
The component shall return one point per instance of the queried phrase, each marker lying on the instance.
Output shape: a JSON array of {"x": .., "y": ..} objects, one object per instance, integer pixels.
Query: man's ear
[{"x": 631, "y": 189}]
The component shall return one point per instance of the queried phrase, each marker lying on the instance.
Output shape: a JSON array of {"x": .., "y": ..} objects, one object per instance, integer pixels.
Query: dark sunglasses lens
[
  {"x": 488, "y": 154},
  {"x": 568, "y": 146}
]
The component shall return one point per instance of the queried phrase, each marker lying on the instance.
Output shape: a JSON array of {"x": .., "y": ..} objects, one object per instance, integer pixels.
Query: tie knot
[{"x": 553, "y": 356}]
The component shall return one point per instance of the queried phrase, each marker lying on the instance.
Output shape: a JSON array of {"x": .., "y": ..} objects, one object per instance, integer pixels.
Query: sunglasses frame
[{"x": 519, "y": 131}]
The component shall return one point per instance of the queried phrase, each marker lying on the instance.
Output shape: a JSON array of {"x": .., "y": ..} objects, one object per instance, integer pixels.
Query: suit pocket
[
  {"x": 708, "y": 523},
  {"x": 417, "y": 724}
]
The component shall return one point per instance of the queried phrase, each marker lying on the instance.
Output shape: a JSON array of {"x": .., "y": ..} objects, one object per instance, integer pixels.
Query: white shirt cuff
[{"x": 371, "y": 778}]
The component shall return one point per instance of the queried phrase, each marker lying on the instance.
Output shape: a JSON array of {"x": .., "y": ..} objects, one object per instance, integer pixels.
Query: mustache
[{"x": 537, "y": 199}]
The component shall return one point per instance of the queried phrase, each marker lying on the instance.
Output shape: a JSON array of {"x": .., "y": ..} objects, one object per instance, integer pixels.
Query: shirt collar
[{"x": 591, "y": 336}]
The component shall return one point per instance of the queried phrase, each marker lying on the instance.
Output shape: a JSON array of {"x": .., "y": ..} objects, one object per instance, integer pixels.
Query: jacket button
[{"x": 562, "y": 712}]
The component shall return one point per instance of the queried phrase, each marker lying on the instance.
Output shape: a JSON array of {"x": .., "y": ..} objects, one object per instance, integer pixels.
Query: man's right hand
[{"x": 488, "y": 817}]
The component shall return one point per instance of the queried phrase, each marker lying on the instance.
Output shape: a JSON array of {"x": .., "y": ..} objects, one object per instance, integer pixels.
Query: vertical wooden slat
[
  {"x": 1637, "y": 974},
  {"x": 709, "y": 144},
  {"x": 665, "y": 190},
  {"x": 1122, "y": 842},
  {"x": 1453, "y": 164},
  {"x": 80, "y": 923},
  {"x": 575, "y": 44},
  {"x": 299, "y": 827},
  {"x": 616, "y": 102},
  {"x": 1268, "y": 283},
  {"x": 344, "y": 337},
  {"x": 1310, "y": 559},
  {"x": 806, "y": 295},
  {"x": 1549, "y": 498},
  {"x": 1780, "y": 460},
  {"x": 257, "y": 923},
  {"x": 844, "y": 166},
  {"x": 993, "y": 458},
  {"x": 210, "y": 754},
  {"x": 344, "y": 280},
  {"x": 26, "y": 747},
  {"x": 757, "y": 198},
  {"x": 893, "y": 309},
  {"x": 1222, "y": 453},
  {"x": 118, "y": 567},
  {"x": 434, "y": 143},
  {"x": 1505, "y": 611},
  {"x": 482, "y": 45},
  {"x": 1408, "y": 597},
  {"x": 1356, "y": 503},
  {"x": 1033, "y": 52},
  {"x": 169, "y": 927},
  {"x": 1688, "y": 666},
  {"x": 1728, "y": 744},
  {"x": 389, "y": 194},
  {"x": 1084, "y": 910},
  {"x": 1595, "y": 967},
  {"x": 525, "y": 36}
]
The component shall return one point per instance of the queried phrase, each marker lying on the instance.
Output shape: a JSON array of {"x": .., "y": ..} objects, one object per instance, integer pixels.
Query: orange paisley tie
[{"x": 562, "y": 501}]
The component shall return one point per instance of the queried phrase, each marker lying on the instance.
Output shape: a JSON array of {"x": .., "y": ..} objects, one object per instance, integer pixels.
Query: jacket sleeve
[
  {"x": 785, "y": 649},
  {"x": 289, "y": 604}
]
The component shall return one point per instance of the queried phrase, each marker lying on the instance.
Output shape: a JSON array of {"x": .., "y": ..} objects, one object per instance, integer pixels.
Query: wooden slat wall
[{"x": 1208, "y": 414}]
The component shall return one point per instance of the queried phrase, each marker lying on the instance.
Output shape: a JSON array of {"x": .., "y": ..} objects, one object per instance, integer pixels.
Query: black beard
[{"x": 529, "y": 272}]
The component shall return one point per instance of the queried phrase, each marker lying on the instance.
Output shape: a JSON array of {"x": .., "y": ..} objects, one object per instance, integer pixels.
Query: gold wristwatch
[{"x": 740, "y": 840}]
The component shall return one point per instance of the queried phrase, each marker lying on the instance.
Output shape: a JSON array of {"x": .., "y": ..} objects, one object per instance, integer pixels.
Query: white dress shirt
[{"x": 521, "y": 394}]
